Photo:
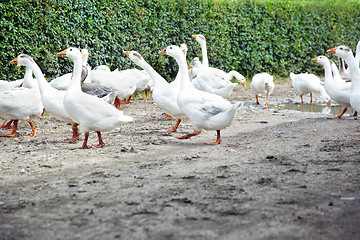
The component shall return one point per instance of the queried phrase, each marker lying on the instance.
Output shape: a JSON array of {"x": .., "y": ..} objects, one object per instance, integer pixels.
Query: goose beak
[
  {"x": 163, "y": 51},
  {"x": 194, "y": 36},
  {"x": 127, "y": 53},
  {"x": 63, "y": 53},
  {"x": 332, "y": 50},
  {"x": 244, "y": 84},
  {"x": 83, "y": 53},
  {"x": 314, "y": 59},
  {"x": 189, "y": 67},
  {"x": 14, "y": 60}
]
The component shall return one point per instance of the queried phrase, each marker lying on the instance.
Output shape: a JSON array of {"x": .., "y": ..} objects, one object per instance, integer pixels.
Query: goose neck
[
  {"x": 76, "y": 77},
  {"x": 328, "y": 73},
  {"x": 205, "y": 62},
  {"x": 28, "y": 77},
  {"x": 183, "y": 72},
  {"x": 42, "y": 83},
  {"x": 155, "y": 76}
]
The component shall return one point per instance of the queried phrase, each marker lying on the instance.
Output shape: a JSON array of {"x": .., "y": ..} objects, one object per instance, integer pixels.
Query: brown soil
[{"x": 276, "y": 175}]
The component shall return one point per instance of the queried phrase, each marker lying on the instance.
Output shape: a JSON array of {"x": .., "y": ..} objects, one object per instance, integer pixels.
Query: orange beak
[
  {"x": 244, "y": 84},
  {"x": 332, "y": 50},
  {"x": 163, "y": 51},
  {"x": 63, "y": 53},
  {"x": 14, "y": 60},
  {"x": 127, "y": 53},
  {"x": 194, "y": 36},
  {"x": 314, "y": 59}
]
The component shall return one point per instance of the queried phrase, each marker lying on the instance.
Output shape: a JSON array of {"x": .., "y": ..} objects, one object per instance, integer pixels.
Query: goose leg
[
  {"x": 75, "y": 132},
  {"x": 146, "y": 95},
  {"x": 13, "y": 130},
  {"x": 175, "y": 127},
  {"x": 340, "y": 115},
  {"x": 257, "y": 99},
  {"x": 84, "y": 146},
  {"x": 311, "y": 100},
  {"x": 117, "y": 103},
  {"x": 129, "y": 99},
  {"x": 7, "y": 125},
  {"x": 101, "y": 143},
  {"x": 267, "y": 99},
  {"x": 302, "y": 101},
  {"x": 189, "y": 135},
  {"x": 33, "y": 128},
  {"x": 218, "y": 139},
  {"x": 75, "y": 136}
]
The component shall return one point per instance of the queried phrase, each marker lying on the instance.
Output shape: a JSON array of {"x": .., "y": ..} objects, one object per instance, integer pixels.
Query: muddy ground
[{"x": 277, "y": 174}]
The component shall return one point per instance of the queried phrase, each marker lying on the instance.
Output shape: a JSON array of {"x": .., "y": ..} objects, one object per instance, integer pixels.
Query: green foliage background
[{"x": 247, "y": 36}]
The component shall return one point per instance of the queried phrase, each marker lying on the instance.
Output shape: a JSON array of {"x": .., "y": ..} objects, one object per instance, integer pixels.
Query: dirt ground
[{"x": 278, "y": 174}]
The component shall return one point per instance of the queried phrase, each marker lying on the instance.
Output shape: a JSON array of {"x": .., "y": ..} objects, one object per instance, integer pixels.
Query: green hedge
[{"x": 247, "y": 36}]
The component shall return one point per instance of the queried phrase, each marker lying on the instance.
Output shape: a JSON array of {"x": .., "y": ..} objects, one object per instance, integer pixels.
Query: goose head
[
  {"x": 134, "y": 56},
  {"x": 199, "y": 38},
  {"x": 184, "y": 48},
  {"x": 71, "y": 53},
  {"x": 341, "y": 51},
  {"x": 85, "y": 56},
  {"x": 321, "y": 60},
  {"x": 173, "y": 51},
  {"x": 23, "y": 60},
  {"x": 195, "y": 63}
]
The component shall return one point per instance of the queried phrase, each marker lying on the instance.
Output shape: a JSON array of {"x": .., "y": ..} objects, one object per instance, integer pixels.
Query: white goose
[
  {"x": 143, "y": 83},
  {"x": 164, "y": 94},
  {"x": 92, "y": 113},
  {"x": 20, "y": 104},
  {"x": 205, "y": 110},
  {"x": 51, "y": 97},
  {"x": 305, "y": 83},
  {"x": 122, "y": 82},
  {"x": 194, "y": 67},
  {"x": 214, "y": 80},
  {"x": 27, "y": 82},
  {"x": 345, "y": 53},
  {"x": 339, "y": 92},
  {"x": 262, "y": 83}
]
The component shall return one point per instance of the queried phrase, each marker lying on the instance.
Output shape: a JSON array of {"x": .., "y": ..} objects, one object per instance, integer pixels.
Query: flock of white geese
[{"x": 91, "y": 98}]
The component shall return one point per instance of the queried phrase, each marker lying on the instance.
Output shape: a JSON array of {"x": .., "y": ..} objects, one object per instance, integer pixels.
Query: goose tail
[
  {"x": 125, "y": 118},
  {"x": 237, "y": 105}
]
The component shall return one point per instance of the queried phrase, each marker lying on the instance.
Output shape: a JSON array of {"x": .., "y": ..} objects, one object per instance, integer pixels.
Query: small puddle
[{"x": 315, "y": 108}]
